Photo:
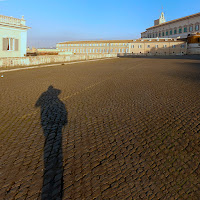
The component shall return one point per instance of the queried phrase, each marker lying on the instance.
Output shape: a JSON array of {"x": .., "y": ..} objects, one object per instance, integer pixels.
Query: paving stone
[{"x": 110, "y": 129}]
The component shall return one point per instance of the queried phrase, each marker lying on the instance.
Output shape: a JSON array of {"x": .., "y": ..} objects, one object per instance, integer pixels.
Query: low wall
[
  {"x": 194, "y": 49},
  {"x": 37, "y": 60}
]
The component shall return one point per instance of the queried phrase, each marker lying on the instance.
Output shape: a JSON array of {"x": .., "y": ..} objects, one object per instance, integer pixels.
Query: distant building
[
  {"x": 95, "y": 47},
  {"x": 47, "y": 51},
  {"x": 181, "y": 27},
  {"x": 13, "y": 36}
]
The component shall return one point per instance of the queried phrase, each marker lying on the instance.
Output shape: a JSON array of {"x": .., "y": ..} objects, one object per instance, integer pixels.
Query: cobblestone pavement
[{"x": 123, "y": 128}]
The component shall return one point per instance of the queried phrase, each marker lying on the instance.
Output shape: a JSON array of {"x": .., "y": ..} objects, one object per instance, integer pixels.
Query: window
[
  {"x": 111, "y": 50},
  {"x": 80, "y": 50},
  {"x": 148, "y": 46},
  {"x": 93, "y": 50},
  {"x": 173, "y": 46},
  {"x": 119, "y": 50},
  {"x": 182, "y": 46},
  {"x": 166, "y": 32},
  {"x": 140, "y": 46},
  {"x": 115, "y": 50},
  {"x": 122, "y": 50},
  {"x": 170, "y": 32},
  {"x": 126, "y": 50},
  {"x": 100, "y": 50},
  {"x": 83, "y": 50},
  {"x": 175, "y": 31},
  {"x": 159, "y": 34},
  {"x": 180, "y": 30},
  {"x": 191, "y": 28},
  {"x": 10, "y": 44},
  {"x": 156, "y": 46},
  {"x": 197, "y": 27},
  {"x": 90, "y": 50},
  {"x": 185, "y": 29},
  {"x": 163, "y": 34},
  {"x": 97, "y": 50},
  {"x": 77, "y": 50},
  {"x": 156, "y": 34},
  {"x": 132, "y": 46},
  {"x": 164, "y": 46},
  {"x": 107, "y": 50},
  {"x": 153, "y": 35}
]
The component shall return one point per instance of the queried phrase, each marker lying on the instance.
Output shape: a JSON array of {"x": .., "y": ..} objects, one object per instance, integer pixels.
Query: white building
[
  {"x": 181, "y": 27},
  {"x": 13, "y": 37}
]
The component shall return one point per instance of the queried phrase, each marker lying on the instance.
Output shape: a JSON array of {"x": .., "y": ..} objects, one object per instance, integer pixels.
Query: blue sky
[{"x": 64, "y": 20}]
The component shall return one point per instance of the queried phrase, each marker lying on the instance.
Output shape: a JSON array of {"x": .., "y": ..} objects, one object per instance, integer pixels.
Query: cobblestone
[{"x": 112, "y": 129}]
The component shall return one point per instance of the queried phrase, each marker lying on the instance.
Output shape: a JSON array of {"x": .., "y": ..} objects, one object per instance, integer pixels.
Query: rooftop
[
  {"x": 96, "y": 41},
  {"x": 11, "y": 21}
]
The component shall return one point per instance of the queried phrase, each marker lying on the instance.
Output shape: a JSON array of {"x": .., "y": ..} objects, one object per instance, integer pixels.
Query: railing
[{"x": 11, "y": 20}]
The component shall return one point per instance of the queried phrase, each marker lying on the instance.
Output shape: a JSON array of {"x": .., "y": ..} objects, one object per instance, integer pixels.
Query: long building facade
[
  {"x": 164, "y": 46},
  {"x": 95, "y": 47},
  {"x": 181, "y": 27}
]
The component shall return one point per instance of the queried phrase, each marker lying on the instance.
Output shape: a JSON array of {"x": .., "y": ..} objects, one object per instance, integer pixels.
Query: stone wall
[{"x": 37, "y": 60}]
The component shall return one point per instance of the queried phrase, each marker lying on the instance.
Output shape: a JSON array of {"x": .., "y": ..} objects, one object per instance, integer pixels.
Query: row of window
[
  {"x": 10, "y": 44},
  {"x": 175, "y": 31},
  {"x": 105, "y": 44},
  {"x": 96, "y": 50},
  {"x": 156, "y": 46}
]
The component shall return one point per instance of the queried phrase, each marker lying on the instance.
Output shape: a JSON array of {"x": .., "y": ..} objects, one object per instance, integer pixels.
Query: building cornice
[
  {"x": 96, "y": 41},
  {"x": 14, "y": 26}
]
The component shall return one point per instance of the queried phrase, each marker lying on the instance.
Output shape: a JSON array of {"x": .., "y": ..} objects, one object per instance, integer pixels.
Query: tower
[{"x": 160, "y": 20}]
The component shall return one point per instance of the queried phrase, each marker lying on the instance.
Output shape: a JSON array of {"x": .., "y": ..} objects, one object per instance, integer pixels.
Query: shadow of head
[{"x": 53, "y": 111}]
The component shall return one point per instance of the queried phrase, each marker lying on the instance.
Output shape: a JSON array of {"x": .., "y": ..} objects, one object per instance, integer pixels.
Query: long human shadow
[{"x": 53, "y": 118}]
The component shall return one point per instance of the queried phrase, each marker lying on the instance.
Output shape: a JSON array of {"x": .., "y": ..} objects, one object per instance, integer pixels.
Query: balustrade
[{"x": 12, "y": 20}]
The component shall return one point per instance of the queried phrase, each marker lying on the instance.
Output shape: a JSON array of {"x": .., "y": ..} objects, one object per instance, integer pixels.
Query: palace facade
[
  {"x": 181, "y": 27},
  {"x": 156, "y": 46}
]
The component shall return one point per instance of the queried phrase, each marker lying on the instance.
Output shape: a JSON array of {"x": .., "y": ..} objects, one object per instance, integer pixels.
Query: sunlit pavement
[{"x": 125, "y": 128}]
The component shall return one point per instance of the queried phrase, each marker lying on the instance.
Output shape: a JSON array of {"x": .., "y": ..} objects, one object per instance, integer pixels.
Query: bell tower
[{"x": 162, "y": 18}]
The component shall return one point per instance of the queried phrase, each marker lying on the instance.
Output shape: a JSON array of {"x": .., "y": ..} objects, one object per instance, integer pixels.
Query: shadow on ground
[{"x": 53, "y": 118}]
